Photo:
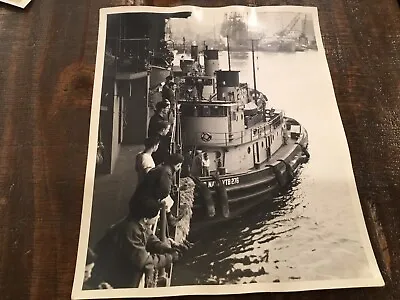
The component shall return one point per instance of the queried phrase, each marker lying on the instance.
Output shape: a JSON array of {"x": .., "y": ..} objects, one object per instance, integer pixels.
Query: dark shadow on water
[{"x": 212, "y": 260}]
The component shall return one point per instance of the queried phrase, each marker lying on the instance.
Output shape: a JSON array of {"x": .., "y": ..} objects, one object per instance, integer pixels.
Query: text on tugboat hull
[{"x": 226, "y": 182}]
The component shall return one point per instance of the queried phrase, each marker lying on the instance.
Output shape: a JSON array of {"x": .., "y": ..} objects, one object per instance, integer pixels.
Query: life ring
[{"x": 206, "y": 137}]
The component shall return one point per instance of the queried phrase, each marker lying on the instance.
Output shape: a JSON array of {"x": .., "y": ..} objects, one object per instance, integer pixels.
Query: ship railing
[
  {"x": 144, "y": 282},
  {"x": 149, "y": 279},
  {"x": 250, "y": 121},
  {"x": 275, "y": 120},
  {"x": 227, "y": 138},
  {"x": 252, "y": 133}
]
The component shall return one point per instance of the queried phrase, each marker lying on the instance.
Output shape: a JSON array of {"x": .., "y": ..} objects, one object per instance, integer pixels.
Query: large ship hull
[
  {"x": 246, "y": 190},
  {"x": 279, "y": 46}
]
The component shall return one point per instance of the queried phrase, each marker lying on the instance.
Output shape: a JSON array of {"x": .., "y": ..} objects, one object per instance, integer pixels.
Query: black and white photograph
[{"x": 217, "y": 161}]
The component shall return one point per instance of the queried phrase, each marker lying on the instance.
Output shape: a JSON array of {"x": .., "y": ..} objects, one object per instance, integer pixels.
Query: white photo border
[
  {"x": 20, "y": 4},
  {"x": 375, "y": 280}
]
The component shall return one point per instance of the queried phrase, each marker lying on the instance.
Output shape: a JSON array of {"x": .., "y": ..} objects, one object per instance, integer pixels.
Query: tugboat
[{"x": 252, "y": 151}]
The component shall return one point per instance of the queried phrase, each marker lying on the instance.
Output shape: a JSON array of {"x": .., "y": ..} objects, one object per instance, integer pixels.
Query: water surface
[{"x": 309, "y": 231}]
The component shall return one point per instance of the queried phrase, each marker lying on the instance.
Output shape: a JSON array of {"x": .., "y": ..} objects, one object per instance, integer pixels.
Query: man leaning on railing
[
  {"x": 130, "y": 249},
  {"x": 157, "y": 186}
]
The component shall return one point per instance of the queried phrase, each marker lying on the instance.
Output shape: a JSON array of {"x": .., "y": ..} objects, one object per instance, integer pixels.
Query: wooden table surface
[{"x": 46, "y": 76}]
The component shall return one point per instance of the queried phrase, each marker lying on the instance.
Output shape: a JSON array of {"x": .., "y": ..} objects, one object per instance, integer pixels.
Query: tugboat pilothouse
[{"x": 238, "y": 151}]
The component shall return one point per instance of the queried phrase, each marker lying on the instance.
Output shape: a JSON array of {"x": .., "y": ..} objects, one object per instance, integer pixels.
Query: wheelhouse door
[
  {"x": 229, "y": 123},
  {"x": 256, "y": 153},
  {"x": 268, "y": 148}
]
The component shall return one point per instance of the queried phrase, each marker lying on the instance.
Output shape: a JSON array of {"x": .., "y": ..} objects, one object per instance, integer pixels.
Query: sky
[{"x": 203, "y": 21}]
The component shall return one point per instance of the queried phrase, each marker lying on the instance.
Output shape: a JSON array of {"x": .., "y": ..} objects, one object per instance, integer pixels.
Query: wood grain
[{"x": 46, "y": 75}]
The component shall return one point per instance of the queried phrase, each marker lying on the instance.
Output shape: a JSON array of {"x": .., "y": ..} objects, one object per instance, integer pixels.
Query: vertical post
[
  {"x": 119, "y": 45},
  {"x": 264, "y": 115},
  {"x": 254, "y": 67},
  {"x": 229, "y": 56},
  {"x": 163, "y": 222},
  {"x": 163, "y": 233}
]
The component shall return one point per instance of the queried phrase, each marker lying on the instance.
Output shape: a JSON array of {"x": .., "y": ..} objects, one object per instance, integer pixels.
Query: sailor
[
  {"x": 186, "y": 166},
  {"x": 144, "y": 159},
  {"x": 157, "y": 186},
  {"x": 200, "y": 87},
  {"x": 194, "y": 94},
  {"x": 285, "y": 134},
  {"x": 160, "y": 115},
  {"x": 129, "y": 248},
  {"x": 163, "y": 132},
  {"x": 160, "y": 125},
  {"x": 206, "y": 164},
  {"x": 168, "y": 90},
  {"x": 197, "y": 164}
]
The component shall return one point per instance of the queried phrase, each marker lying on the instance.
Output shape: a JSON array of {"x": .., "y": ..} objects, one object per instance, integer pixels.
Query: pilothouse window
[{"x": 204, "y": 111}]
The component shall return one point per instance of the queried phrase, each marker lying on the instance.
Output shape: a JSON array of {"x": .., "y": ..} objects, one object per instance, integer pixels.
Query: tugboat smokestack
[
  {"x": 211, "y": 62},
  {"x": 194, "y": 52}
]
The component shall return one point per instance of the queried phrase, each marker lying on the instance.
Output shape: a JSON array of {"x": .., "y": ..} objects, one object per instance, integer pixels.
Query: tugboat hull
[{"x": 246, "y": 190}]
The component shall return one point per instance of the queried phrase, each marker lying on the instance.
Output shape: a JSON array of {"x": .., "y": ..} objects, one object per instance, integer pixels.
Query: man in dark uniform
[
  {"x": 160, "y": 116},
  {"x": 157, "y": 185},
  {"x": 200, "y": 88},
  {"x": 129, "y": 249},
  {"x": 168, "y": 92},
  {"x": 160, "y": 126},
  {"x": 163, "y": 132}
]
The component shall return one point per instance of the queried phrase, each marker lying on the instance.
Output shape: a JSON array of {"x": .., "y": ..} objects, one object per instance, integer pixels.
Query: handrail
[
  {"x": 161, "y": 217},
  {"x": 142, "y": 282},
  {"x": 234, "y": 137},
  {"x": 178, "y": 141},
  {"x": 269, "y": 122}
]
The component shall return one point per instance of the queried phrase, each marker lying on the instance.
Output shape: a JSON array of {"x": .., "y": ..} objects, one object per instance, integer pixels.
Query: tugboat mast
[
  {"x": 229, "y": 57},
  {"x": 254, "y": 68}
]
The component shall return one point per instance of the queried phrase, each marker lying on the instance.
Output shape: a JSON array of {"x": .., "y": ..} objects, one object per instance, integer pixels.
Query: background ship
[
  {"x": 235, "y": 28},
  {"x": 298, "y": 35}
]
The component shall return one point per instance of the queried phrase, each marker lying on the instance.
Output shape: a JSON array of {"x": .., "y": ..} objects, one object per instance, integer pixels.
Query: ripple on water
[{"x": 304, "y": 233}]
